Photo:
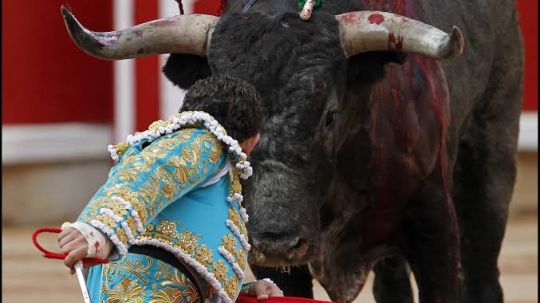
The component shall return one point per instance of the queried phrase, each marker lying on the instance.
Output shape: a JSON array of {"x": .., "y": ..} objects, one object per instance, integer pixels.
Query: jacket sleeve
[{"x": 142, "y": 184}]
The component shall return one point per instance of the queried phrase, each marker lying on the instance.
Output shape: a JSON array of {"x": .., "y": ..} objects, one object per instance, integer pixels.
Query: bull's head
[{"x": 305, "y": 95}]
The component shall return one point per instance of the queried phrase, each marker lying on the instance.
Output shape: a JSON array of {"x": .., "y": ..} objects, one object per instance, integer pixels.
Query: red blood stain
[
  {"x": 393, "y": 43},
  {"x": 376, "y": 18},
  {"x": 349, "y": 18}
]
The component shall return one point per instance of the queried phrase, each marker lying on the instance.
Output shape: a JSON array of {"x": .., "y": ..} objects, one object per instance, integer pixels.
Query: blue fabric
[
  {"x": 162, "y": 184},
  {"x": 147, "y": 280}
]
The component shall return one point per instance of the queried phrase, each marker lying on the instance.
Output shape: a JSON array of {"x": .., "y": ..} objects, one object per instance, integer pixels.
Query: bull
[{"x": 375, "y": 154}]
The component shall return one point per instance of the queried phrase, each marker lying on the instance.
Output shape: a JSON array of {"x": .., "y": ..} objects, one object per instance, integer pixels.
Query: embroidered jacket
[{"x": 158, "y": 194}]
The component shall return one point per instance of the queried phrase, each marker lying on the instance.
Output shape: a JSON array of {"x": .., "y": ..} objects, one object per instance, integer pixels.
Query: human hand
[
  {"x": 264, "y": 289},
  {"x": 72, "y": 243}
]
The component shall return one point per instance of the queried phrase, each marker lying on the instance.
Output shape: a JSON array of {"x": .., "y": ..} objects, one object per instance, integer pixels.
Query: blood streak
[
  {"x": 393, "y": 43},
  {"x": 376, "y": 18},
  {"x": 349, "y": 18}
]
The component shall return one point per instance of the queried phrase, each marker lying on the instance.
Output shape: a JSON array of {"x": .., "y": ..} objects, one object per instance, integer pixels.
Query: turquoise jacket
[{"x": 175, "y": 194}]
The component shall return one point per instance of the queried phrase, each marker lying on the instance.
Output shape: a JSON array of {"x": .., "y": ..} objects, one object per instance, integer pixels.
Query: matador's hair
[{"x": 233, "y": 102}]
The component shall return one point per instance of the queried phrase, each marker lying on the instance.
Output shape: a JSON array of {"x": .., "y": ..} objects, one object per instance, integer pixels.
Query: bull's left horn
[
  {"x": 373, "y": 30},
  {"x": 187, "y": 34}
]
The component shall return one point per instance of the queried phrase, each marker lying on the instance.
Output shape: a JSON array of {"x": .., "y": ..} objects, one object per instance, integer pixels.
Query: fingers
[
  {"x": 260, "y": 290},
  {"x": 74, "y": 256},
  {"x": 264, "y": 289},
  {"x": 67, "y": 235},
  {"x": 274, "y": 290},
  {"x": 72, "y": 243}
]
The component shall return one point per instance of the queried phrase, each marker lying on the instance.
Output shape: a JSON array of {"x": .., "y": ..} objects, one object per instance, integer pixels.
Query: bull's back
[{"x": 492, "y": 39}]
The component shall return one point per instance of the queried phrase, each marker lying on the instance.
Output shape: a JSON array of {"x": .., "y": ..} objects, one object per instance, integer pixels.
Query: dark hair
[{"x": 233, "y": 102}]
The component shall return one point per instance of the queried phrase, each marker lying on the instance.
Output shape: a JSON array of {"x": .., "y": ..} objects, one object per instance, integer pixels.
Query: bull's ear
[
  {"x": 368, "y": 67},
  {"x": 183, "y": 70}
]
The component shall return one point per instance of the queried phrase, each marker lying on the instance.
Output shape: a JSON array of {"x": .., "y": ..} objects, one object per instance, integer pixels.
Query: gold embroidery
[
  {"x": 189, "y": 155},
  {"x": 150, "y": 192},
  {"x": 121, "y": 148},
  {"x": 188, "y": 242},
  {"x": 92, "y": 210},
  {"x": 213, "y": 145},
  {"x": 156, "y": 125},
  {"x": 133, "y": 160},
  {"x": 231, "y": 286},
  {"x": 127, "y": 195},
  {"x": 169, "y": 188},
  {"x": 119, "y": 209},
  {"x": 236, "y": 187},
  {"x": 181, "y": 172},
  {"x": 129, "y": 174},
  {"x": 241, "y": 259},
  {"x": 126, "y": 291},
  {"x": 204, "y": 255},
  {"x": 219, "y": 270},
  {"x": 126, "y": 265},
  {"x": 168, "y": 228},
  {"x": 234, "y": 216},
  {"x": 150, "y": 228},
  {"x": 167, "y": 295},
  {"x": 108, "y": 221},
  {"x": 230, "y": 244},
  {"x": 173, "y": 280},
  {"x": 121, "y": 234},
  {"x": 163, "y": 184}
]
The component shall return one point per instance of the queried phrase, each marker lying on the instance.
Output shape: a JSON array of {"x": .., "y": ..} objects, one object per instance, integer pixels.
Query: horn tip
[
  {"x": 69, "y": 18},
  {"x": 65, "y": 10},
  {"x": 82, "y": 38},
  {"x": 456, "y": 43}
]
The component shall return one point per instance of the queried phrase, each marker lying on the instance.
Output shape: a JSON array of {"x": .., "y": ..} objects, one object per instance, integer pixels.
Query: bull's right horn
[
  {"x": 364, "y": 31},
  {"x": 187, "y": 34}
]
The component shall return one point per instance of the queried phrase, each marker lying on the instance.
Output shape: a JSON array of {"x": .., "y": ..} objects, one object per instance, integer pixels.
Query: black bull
[{"x": 371, "y": 160}]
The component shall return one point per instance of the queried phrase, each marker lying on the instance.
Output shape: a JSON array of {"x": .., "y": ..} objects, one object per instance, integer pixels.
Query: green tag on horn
[{"x": 301, "y": 3}]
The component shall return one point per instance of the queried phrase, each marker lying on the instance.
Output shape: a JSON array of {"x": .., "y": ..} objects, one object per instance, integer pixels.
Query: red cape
[{"x": 243, "y": 298}]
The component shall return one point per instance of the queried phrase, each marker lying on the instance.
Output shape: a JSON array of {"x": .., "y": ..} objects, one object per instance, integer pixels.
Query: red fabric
[
  {"x": 243, "y": 298},
  {"x": 46, "y": 78},
  {"x": 147, "y": 71},
  {"x": 528, "y": 18},
  {"x": 61, "y": 256},
  {"x": 208, "y": 7}
]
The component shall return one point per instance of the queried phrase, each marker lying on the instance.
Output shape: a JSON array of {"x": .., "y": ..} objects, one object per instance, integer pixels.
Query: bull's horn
[
  {"x": 373, "y": 30},
  {"x": 188, "y": 34}
]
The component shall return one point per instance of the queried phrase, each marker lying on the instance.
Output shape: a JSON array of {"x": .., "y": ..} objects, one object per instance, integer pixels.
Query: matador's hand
[
  {"x": 73, "y": 243},
  {"x": 264, "y": 289}
]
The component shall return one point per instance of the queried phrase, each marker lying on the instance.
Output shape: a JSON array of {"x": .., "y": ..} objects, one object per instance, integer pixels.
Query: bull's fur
[{"x": 365, "y": 162}]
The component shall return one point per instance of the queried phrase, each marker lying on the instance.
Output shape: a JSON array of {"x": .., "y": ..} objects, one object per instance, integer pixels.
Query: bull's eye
[{"x": 330, "y": 117}]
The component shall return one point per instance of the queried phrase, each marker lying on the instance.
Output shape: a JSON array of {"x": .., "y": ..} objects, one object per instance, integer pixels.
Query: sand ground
[{"x": 28, "y": 277}]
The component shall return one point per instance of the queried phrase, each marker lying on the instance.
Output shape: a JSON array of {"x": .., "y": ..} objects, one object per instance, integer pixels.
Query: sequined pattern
[
  {"x": 140, "y": 279},
  {"x": 148, "y": 181}
]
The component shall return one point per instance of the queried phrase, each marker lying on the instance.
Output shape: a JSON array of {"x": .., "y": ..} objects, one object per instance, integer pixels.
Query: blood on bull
[{"x": 382, "y": 149}]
